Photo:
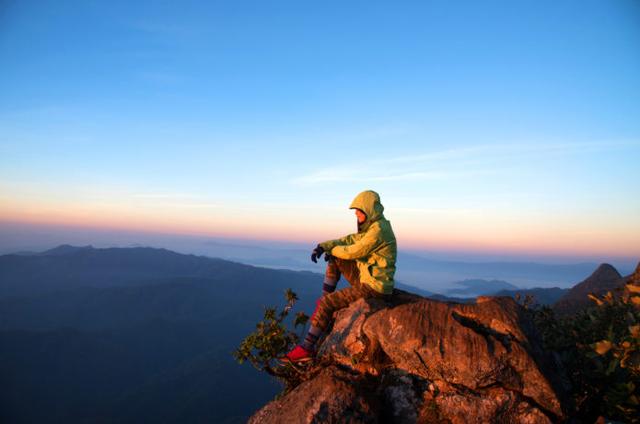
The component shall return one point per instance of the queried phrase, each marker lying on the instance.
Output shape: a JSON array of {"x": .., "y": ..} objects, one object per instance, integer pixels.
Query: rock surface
[
  {"x": 422, "y": 360},
  {"x": 334, "y": 395}
]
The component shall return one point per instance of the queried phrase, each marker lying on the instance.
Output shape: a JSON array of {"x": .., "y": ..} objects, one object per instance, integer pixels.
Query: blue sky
[{"x": 507, "y": 126}]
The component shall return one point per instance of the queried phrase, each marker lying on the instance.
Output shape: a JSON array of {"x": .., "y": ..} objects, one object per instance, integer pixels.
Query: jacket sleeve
[
  {"x": 348, "y": 239},
  {"x": 361, "y": 247}
]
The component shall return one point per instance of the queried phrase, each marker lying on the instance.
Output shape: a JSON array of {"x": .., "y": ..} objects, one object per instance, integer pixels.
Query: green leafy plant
[
  {"x": 618, "y": 352},
  {"x": 271, "y": 340},
  {"x": 600, "y": 351}
]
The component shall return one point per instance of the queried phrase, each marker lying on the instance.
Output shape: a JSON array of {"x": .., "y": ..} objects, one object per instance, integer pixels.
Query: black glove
[{"x": 317, "y": 252}]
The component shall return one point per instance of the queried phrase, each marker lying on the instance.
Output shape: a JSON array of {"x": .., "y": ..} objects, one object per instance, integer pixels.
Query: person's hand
[
  {"x": 327, "y": 256},
  {"x": 317, "y": 252}
]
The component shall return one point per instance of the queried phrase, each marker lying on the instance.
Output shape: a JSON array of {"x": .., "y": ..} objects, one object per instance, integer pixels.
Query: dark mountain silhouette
[
  {"x": 65, "y": 249},
  {"x": 68, "y": 267},
  {"x": 133, "y": 335},
  {"x": 604, "y": 278}
]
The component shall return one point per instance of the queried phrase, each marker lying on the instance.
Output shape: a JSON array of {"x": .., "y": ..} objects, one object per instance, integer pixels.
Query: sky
[{"x": 494, "y": 126}]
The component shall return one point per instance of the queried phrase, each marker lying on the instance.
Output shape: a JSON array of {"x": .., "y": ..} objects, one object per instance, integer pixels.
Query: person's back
[{"x": 366, "y": 258}]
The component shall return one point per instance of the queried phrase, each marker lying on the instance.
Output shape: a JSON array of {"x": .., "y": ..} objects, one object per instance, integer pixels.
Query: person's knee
[
  {"x": 349, "y": 270},
  {"x": 326, "y": 303},
  {"x": 345, "y": 266},
  {"x": 332, "y": 268},
  {"x": 338, "y": 261}
]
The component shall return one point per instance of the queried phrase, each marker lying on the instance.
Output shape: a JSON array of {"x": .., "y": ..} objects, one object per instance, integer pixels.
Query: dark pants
[{"x": 339, "y": 299}]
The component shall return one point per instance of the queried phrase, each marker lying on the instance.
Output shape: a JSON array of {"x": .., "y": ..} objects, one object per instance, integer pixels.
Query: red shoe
[{"x": 298, "y": 354}]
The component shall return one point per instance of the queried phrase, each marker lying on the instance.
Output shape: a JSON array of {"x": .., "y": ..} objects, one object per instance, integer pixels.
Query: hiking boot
[{"x": 298, "y": 354}]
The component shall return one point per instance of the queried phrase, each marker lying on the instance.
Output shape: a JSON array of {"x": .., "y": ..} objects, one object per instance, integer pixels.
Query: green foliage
[
  {"x": 272, "y": 340},
  {"x": 600, "y": 351}
]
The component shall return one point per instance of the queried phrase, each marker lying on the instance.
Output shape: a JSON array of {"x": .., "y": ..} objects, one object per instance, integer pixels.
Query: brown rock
[
  {"x": 333, "y": 396},
  {"x": 433, "y": 361}
]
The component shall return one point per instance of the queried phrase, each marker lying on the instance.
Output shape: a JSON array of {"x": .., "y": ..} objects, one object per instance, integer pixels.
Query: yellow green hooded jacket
[{"x": 373, "y": 247}]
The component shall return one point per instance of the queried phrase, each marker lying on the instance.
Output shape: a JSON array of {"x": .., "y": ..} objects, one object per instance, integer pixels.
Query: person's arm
[
  {"x": 348, "y": 239},
  {"x": 360, "y": 247}
]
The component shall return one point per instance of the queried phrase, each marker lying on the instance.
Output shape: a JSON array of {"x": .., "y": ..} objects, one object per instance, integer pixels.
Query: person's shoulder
[
  {"x": 379, "y": 226},
  {"x": 383, "y": 222},
  {"x": 375, "y": 225},
  {"x": 385, "y": 227}
]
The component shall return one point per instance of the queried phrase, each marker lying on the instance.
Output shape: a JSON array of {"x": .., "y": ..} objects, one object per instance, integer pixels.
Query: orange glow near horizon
[{"x": 470, "y": 233}]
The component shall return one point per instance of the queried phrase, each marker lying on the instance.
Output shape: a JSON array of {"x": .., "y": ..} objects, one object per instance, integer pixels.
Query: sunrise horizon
[{"x": 468, "y": 251}]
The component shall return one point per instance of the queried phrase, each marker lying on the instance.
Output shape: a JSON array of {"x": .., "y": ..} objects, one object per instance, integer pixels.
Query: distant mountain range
[
  {"x": 145, "y": 335},
  {"x": 133, "y": 335},
  {"x": 565, "y": 301},
  {"x": 540, "y": 296},
  {"x": 431, "y": 271},
  {"x": 435, "y": 275},
  {"x": 477, "y": 286}
]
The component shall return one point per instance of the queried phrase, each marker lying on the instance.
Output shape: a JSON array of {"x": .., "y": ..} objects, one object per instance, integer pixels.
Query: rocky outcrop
[
  {"x": 333, "y": 395},
  {"x": 422, "y": 360},
  {"x": 603, "y": 279}
]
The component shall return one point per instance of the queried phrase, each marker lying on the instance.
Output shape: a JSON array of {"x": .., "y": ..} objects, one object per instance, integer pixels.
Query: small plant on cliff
[
  {"x": 271, "y": 340},
  {"x": 617, "y": 354},
  {"x": 600, "y": 350}
]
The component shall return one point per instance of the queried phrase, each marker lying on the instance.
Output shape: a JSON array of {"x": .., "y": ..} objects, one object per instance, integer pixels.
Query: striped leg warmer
[
  {"x": 313, "y": 335},
  {"x": 331, "y": 278}
]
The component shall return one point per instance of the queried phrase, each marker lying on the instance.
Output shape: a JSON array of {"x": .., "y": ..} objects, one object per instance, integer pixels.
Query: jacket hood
[{"x": 368, "y": 202}]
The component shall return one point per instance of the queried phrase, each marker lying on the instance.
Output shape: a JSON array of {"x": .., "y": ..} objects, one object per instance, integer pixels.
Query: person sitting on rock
[{"x": 367, "y": 259}]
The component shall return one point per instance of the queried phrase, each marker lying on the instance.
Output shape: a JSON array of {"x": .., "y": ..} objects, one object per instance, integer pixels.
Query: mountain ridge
[{"x": 605, "y": 277}]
